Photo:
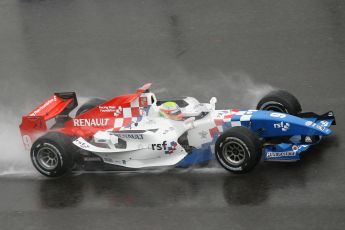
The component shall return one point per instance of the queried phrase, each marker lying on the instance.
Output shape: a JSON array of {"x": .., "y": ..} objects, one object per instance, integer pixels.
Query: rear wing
[{"x": 34, "y": 123}]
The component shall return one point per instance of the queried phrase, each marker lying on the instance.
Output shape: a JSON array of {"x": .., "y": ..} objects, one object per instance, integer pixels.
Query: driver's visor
[
  {"x": 171, "y": 112},
  {"x": 175, "y": 112}
]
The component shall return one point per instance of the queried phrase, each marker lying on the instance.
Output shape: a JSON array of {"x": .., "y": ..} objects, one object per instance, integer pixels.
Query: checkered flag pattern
[
  {"x": 234, "y": 118},
  {"x": 131, "y": 112}
]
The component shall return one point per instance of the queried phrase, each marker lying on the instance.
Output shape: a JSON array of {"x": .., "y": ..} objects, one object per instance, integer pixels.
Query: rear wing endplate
[{"x": 34, "y": 123}]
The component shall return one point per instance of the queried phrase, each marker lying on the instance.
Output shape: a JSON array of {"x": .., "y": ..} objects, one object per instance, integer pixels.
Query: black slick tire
[
  {"x": 280, "y": 101},
  {"x": 238, "y": 149},
  {"x": 51, "y": 154}
]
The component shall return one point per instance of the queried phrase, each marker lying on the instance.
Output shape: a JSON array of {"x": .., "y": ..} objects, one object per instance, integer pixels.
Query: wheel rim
[
  {"x": 274, "y": 106},
  {"x": 234, "y": 152},
  {"x": 47, "y": 158}
]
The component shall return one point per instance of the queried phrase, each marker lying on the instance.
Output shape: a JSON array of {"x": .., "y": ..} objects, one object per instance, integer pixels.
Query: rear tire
[
  {"x": 280, "y": 101},
  {"x": 51, "y": 154},
  {"x": 238, "y": 149},
  {"x": 90, "y": 104}
]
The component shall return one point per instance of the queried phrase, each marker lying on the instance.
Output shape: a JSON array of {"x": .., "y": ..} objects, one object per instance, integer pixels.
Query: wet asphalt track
[{"x": 104, "y": 48}]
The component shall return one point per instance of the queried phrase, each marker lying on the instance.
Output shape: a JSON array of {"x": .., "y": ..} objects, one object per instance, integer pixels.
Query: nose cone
[
  {"x": 327, "y": 131},
  {"x": 319, "y": 127}
]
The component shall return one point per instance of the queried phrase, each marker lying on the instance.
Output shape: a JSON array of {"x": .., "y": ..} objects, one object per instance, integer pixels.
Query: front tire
[
  {"x": 280, "y": 101},
  {"x": 51, "y": 154},
  {"x": 238, "y": 150}
]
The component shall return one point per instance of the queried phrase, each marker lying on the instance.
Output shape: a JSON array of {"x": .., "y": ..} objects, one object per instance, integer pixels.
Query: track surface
[{"x": 228, "y": 49}]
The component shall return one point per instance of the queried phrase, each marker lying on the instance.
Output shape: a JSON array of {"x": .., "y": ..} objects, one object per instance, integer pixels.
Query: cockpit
[{"x": 187, "y": 106}]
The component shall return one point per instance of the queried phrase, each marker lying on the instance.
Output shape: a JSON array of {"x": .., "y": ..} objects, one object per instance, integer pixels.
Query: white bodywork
[{"x": 148, "y": 141}]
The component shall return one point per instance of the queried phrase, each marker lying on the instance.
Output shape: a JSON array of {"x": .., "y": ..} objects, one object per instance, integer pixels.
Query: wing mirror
[
  {"x": 213, "y": 102},
  {"x": 114, "y": 139}
]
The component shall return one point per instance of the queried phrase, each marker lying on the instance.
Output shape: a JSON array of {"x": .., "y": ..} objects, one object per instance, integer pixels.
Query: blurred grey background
[
  {"x": 235, "y": 50},
  {"x": 104, "y": 48}
]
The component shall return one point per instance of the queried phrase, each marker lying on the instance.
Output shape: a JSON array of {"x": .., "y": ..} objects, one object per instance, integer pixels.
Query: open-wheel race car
[{"x": 138, "y": 130}]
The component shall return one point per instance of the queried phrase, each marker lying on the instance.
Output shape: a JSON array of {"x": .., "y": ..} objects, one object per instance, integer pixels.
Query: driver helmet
[{"x": 170, "y": 110}]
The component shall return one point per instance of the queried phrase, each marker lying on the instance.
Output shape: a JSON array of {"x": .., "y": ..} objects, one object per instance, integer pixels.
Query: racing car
[{"x": 137, "y": 131}]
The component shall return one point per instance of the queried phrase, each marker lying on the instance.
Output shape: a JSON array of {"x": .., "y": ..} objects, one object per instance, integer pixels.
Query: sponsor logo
[
  {"x": 107, "y": 108},
  {"x": 171, "y": 148},
  {"x": 129, "y": 136},
  {"x": 284, "y": 126},
  {"x": 233, "y": 168},
  {"x": 324, "y": 123},
  {"x": 92, "y": 159},
  {"x": 91, "y": 122},
  {"x": 320, "y": 127},
  {"x": 280, "y": 154},
  {"x": 279, "y": 115},
  {"x": 118, "y": 111},
  {"x": 168, "y": 148},
  {"x": 143, "y": 102},
  {"x": 160, "y": 146},
  {"x": 110, "y": 109},
  {"x": 203, "y": 134},
  {"x": 46, "y": 104},
  {"x": 308, "y": 123},
  {"x": 81, "y": 144},
  {"x": 303, "y": 146}
]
